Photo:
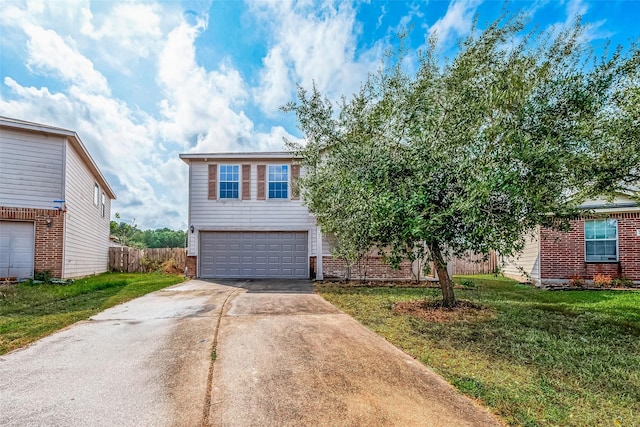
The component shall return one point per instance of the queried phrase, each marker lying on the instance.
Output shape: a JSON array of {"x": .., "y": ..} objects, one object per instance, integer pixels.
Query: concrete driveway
[
  {"x": 284, "y": 357},
  {"x": 142, "y": 363},
  {"x": 287, "y": 357}
]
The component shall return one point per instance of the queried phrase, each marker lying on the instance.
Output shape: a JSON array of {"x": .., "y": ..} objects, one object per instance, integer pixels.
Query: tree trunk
[{"x": 446, "y": 284}]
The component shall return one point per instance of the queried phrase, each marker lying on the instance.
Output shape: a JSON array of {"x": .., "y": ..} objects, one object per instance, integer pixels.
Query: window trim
[
  {"x": 221, "y": 181},
  {"x": 103, "y": 205},
  {"x": 617, "y": 240},
  {"x": 269, "y": 181}
]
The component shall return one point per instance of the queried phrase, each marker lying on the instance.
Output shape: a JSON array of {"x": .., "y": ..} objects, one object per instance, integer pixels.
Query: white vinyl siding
[
  {"x": 526, "y": 265},
  {"x": 86, "y": 245},
  {"x": 32, "y": 169},
  {"x": 243, "y": 215}
]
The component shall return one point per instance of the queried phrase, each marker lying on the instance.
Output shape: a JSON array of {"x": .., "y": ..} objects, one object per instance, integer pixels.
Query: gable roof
[{"x": 72, "y": 137}]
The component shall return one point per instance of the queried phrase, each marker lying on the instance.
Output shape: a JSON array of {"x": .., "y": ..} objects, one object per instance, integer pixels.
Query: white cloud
[
  {"x": 50, "y": 53},
  {"x": 276, "y": 81},
  {"x": 456, "y": 23},
  {"x": 578, "y": 8},
  {"x": 132, "y": 27},
  {"x": 310, "y": 43},
  {"x": 593, "y": 30},
  {"x": 274, "y": 140},
  {"x": 199, "y": 104}
]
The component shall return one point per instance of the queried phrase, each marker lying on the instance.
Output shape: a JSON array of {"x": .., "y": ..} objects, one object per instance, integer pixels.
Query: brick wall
[
  {"x": 192, "y": 266},
  {"x": 48, "y": 249},
  {"x": 562, "y": 254},
  {"x": 371, "y": 267}
]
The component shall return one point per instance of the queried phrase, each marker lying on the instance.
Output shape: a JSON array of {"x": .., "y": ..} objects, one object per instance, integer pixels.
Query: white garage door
[
  {"x": 250, "y": 254},
  {"x": 16, "y": 249}
]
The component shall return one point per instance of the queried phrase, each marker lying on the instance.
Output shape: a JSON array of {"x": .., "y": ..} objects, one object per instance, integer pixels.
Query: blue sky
[{"x": 141, "y": 82}]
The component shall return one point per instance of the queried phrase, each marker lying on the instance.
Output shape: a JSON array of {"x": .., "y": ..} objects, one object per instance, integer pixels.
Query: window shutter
[
  {"x": 213, "y": 181},
  {"x": 246, "y": 182},
  {"x": 295, "y": 174},
  {"x": 261, "y": 182}
]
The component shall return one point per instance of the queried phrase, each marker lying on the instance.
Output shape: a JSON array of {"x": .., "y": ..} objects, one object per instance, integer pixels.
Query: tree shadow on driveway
[{"x": 261, "y": 286}]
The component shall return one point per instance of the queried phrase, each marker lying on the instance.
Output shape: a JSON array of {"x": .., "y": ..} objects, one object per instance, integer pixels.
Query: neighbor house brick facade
[
  {"x": 245, "y": 222},
  {"x": 605, "y": 240},
  {"x": 54, "y": 203}
]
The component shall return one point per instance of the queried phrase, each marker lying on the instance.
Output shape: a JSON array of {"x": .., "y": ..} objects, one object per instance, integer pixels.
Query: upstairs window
[
  {"x": 601, "y": 240},
  {"x": 229, "y": 181},
  {"x": 278, "y": 181},
  {"x": 96, "y": 194},
  {"x": 102, "y": 206}
]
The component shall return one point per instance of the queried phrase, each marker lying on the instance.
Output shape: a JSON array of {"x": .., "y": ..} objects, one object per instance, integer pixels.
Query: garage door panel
[
  {"x": 16, "y": 249},
  {"x": 254, "y": 255}
]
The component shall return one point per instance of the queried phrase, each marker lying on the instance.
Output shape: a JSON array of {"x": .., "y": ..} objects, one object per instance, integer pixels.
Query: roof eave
[{"x": 255, "y": 155}]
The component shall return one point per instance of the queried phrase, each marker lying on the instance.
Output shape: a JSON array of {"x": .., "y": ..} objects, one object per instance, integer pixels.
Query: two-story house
[
  {"x": 55, "y": 204},
  {"x": 245, "y": 222}
]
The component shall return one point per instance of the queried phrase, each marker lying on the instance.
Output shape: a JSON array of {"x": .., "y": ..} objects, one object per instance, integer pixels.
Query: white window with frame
[
  {"x": 229, "y": 181},
  {"x": 601, "y": 240},
  {"x": 278, "y": 181},
  {"x": 96, "y": 194},
  {"x": 102, "y": 205}
]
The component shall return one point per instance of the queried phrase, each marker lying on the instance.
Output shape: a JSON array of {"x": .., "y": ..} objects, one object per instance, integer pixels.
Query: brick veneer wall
[
  {"x": 562, "y": 254},
  {"x": 371, "y": 267},
  {"x": 49, "y": 241},
  {"x": 192, "y": 266}
]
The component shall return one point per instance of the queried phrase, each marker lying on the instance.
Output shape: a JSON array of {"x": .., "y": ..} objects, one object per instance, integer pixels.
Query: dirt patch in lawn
[{"x": 432, "y": 311}]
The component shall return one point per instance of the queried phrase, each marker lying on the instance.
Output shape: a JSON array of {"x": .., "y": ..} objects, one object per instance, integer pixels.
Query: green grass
[
  {"x": 29, "y": 312},
  {"x": 545, "y": 358}
]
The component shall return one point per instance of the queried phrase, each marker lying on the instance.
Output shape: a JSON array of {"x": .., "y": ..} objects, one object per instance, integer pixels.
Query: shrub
[
  {"x": 43, "y": 276},
  {"x": 149, "y": 264},
  {"x": 576, "y": 281},
  {"x": 602, "y": 280},
  {"x": 622, "y": 282},
  {"x": 170, "y": 266}
]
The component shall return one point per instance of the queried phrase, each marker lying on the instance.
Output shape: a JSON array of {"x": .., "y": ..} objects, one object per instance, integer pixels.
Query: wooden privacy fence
[
  {"x": 472, "y": 263},
  {"x": 132, "y": 260}
]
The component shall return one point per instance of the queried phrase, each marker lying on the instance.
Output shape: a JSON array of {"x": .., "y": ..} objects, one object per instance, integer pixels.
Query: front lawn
[
  {"x": 29, "y": 312},
  {"x": 536, "y": 358}
]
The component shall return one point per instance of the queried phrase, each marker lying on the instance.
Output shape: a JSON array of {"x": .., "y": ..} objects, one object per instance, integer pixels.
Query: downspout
[
  {"x": 319, "y": 274},
  {"x": 63, "y": 215}
]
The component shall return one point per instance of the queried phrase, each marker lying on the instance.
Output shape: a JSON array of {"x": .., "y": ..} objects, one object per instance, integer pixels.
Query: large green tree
[
  {"x": 128, "y": 234},
  {"x": 471, "y": 153}
]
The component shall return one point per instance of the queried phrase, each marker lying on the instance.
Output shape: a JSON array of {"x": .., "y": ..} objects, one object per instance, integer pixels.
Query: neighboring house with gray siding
[
  {"x": 245, "y": 222},
  {"x": 55, "y": 204}
]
